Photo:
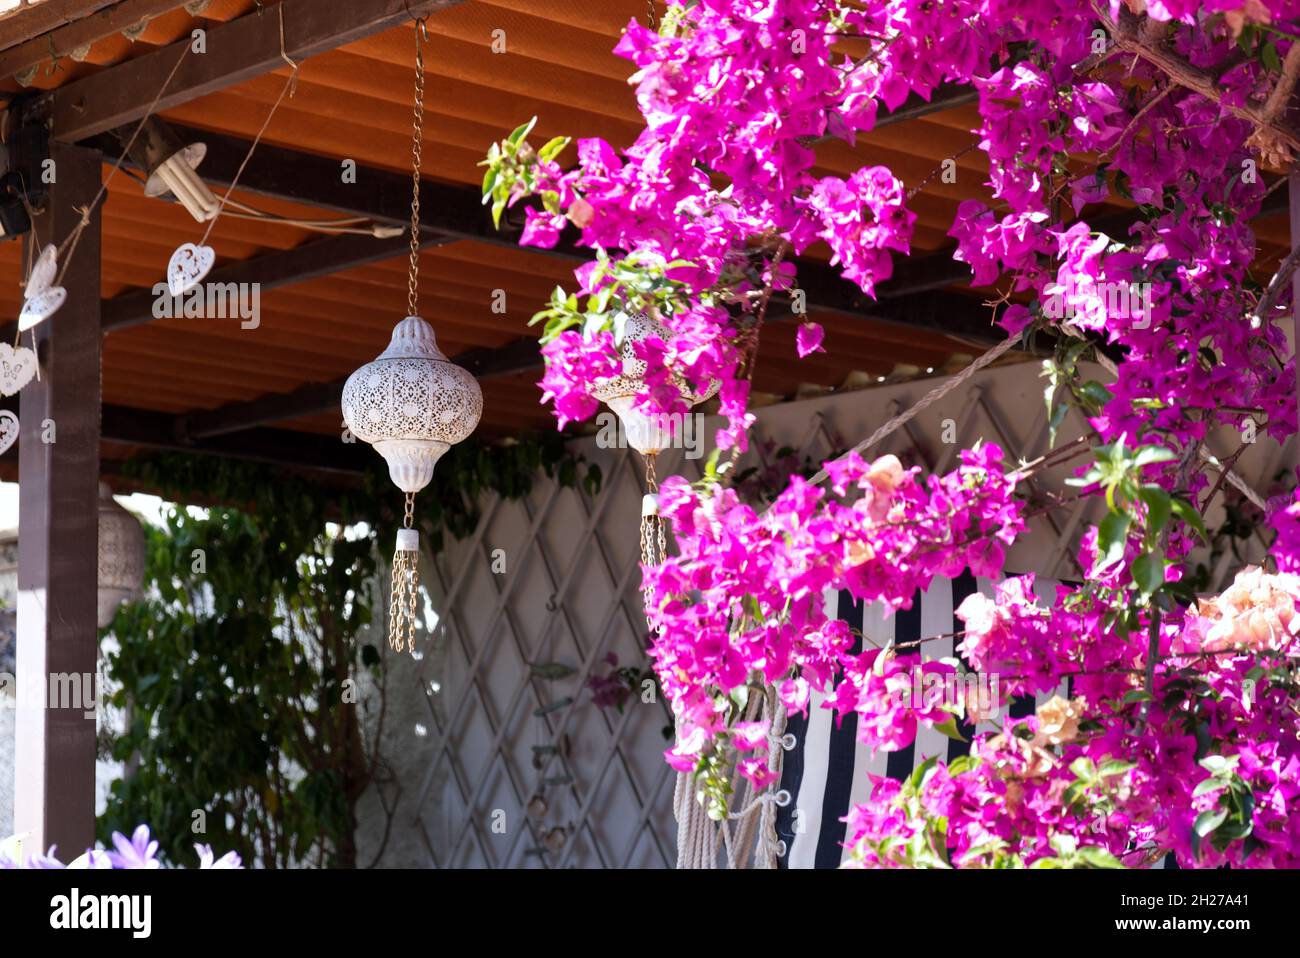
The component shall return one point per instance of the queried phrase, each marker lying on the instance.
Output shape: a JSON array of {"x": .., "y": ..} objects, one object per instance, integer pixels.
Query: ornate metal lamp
[
  {"x": 411, "y": 404},
  {"x": 644, "y": 434},
  {"x": 121, "y": 556}
]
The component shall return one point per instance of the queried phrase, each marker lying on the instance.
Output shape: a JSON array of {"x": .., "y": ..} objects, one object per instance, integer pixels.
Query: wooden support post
[{"x": 58, "y": 472}]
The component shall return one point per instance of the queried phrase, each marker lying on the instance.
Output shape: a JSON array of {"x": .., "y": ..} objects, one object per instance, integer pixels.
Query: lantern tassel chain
[
  {"x": 654, "y": 547},
  {"x": 406, "y": 582}
]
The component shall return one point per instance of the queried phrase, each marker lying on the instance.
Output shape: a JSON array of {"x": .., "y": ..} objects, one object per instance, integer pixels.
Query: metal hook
[{"x": 421, "y": 23}]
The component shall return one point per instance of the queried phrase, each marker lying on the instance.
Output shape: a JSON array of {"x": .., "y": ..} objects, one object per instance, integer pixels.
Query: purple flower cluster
[{"x": 138, "y": 851}]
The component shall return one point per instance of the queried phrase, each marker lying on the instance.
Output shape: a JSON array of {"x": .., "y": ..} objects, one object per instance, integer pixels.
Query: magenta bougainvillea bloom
[{"x": 1180, "y": 733}]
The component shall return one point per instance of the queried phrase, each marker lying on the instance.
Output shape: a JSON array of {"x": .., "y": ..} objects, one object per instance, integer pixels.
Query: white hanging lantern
[
  {"x": 411, "y": 403},
  {"x": 121, "y": 556},
  {"x": 644, "y": 434}
]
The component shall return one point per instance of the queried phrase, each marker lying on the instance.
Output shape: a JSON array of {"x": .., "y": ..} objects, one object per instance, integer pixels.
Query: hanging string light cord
[
  {"x": 69, "y": 244},
  {"x": 417, "y": 136},
  {"x": 290, "y": 86}
]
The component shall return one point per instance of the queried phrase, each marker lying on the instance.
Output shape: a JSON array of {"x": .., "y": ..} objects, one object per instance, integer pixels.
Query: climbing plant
[{"x": 250, "y": 724}]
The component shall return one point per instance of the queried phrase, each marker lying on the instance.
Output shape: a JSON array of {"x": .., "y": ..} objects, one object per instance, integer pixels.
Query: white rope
[
  {"x": 925, "y": 402},
  {"x": 754, "y": 838}
]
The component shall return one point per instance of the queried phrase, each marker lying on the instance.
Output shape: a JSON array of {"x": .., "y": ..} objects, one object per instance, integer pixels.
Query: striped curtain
[{"x": 826, "y": 768}]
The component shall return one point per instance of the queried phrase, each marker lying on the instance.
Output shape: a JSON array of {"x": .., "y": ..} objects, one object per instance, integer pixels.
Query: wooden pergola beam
[
  {"x": 317, "y": 258},
  {"x": 239, "y": 50},
  {"x": 163, "y": 431},
  {"x": 65, "y": 41},
  {"x": 34, "y": 20},
  {"x": 485, "y": 363}
]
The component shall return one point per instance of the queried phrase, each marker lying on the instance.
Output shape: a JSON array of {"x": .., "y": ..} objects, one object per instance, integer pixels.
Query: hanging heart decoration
[
  {"x": 187, "y": 267},
  {"x": 41, "y": 307},
  {"x": 8, "y": 430},
  {"x": 43, "y": 272},
  {"x": 42, "y": 298},
  {"x": 17, "y": 367}
]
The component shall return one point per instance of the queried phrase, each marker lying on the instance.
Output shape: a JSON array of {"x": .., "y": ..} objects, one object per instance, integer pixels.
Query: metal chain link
[
  {"x": 405, "y": 587},
  {"x": 650, "y": 13},
  {"x": 413, "y": 279},
  {"x": 654, "y": 546}
]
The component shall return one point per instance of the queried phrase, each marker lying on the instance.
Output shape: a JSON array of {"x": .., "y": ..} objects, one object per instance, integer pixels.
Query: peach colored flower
[
  {"x": 1257, "y": 611},
  {"x": 1058, "y": 721}
]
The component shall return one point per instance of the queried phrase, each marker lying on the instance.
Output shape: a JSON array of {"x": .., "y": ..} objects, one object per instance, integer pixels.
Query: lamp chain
[
  {"x": 405, "y": 586},
  {"x": 650, "y": 13},
  {"x": 654, "y": 546},
  {"x": 413, "y": 280}
]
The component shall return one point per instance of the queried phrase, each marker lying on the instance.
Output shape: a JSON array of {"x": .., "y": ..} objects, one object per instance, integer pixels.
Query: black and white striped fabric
[{"x": 826, "y": 769}]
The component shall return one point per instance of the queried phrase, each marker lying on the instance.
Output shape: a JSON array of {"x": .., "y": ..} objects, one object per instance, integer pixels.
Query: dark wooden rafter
[
  {"x": 238, "y": 50},
  {"x": 916, "y": 297},
  {"x": 39, "y": 19},
  {"x": 485, "y": 363},
  {"x": 67, "y": 40},
  {"x": 321, "y": 257}
]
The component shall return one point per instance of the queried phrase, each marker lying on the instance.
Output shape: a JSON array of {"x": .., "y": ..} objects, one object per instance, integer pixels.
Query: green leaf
[
  {"x": 1112, "y": 538},
  {"x": 919, "y": 776},
  {"x": 1095, "y": 856},
  {"x": 1184, "y": 510},
  {"x": 1149, "y": 572},
  {"x": 1268, "y": 56},
  {"x": 551, "y": 671},
  {"x": 1083, "y": 768},
  {"x": 552, "y": 148},
  {"x": 1095, "y": 393},
  {"x": 949, "y": 728},
  {"x": 1208, "y": 786},
  {"x": 1158, "y": 509},
  {"x": 1150, "y": 455},
  {"x": 1209, "y": 820},
  {"x": 521, "y": 131}
]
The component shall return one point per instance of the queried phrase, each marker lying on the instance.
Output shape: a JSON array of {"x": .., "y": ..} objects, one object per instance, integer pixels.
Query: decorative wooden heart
[
  {"x": 8, "y": 430},
  {"x": 17, "y": 366},
  {"x": 187, "y": 267},
  {"x": 41, "y": 307},
  {"x": 43, "y": 272}
]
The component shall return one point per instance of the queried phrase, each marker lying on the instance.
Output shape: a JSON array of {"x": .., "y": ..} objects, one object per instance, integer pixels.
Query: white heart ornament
[
  {"x": 187, "y": 267},
  {"x": 43, "y": 272},
  {"x": 17, "y": 367},
  {"x": 41, "y": 307},
  {"x": 8, "y": 430}
]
